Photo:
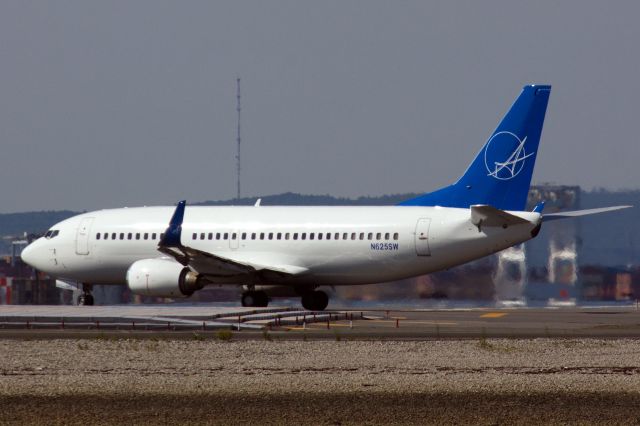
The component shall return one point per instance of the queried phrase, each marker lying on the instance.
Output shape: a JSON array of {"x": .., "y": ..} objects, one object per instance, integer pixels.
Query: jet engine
[{"x": 162, "y": 278}]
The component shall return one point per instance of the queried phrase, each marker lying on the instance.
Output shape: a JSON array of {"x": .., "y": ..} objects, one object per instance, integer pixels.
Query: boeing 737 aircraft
[{"x": 176, "y": 251}]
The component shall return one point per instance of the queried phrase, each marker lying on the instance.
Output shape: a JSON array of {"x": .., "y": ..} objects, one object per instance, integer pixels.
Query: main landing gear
[
  {"x": 315, "y": 300},
  {"x": 255, "y": 299},
  {"x": 86, "y": 298},
  {"x": 311, "y": 300}
]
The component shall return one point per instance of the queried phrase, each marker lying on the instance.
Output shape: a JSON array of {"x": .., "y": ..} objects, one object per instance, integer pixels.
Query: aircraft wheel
[
  {"x": 248, "y": 299},
  {"x": 262, "y": 299},
  {"x": 255, "y": 299},
  {"x": 315, "y": 301}
]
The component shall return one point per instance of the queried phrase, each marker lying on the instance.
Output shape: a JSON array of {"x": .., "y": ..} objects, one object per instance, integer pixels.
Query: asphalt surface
[{"x": 292, "y": 323}]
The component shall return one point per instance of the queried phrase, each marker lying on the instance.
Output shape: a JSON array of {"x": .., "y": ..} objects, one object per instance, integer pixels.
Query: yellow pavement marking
[{"x": 493, "y": 315}]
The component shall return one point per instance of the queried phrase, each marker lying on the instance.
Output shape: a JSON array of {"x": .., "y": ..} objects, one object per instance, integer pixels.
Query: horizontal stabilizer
[
  {"x": 484, "y": 215},
  {"x": 578, "y": 213}
]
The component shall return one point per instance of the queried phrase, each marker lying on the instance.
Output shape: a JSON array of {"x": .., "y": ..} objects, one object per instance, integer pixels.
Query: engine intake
[{"x": 162, "y": 278}]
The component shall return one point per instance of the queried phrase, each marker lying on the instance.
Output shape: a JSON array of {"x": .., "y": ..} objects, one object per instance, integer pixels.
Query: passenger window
[
  {"x": 295, "y": 235},
  {"x": 98, "y": 236},
  {"x": 395, "y": 236},
  {"x": 226, "y": 236},
  {"x": 137, "y": 235},
  {"x": 271, "y": 235},
  {"x": 279, "y": 235},
  {"x": 253, "y": 235},
  {"x": 378, "y": 236},
  {"x": 153, "y": 236},
  {"x": 194, "y": 236},
  {"x": 244, "y": 235},
  {"x": 337, "y": 236},
  {"x": 234, "y": 236},
  {"x": 217, "y": 235},
  {"x": 370, "y": 236},
  {"x": 129, "y": 235},
  {"x": 113, "y": 236},
  {"x": 146, "y": 235},
  {"x": 328, "y": 235},
  {"x": 362, "y": 235},
  {"x": 210, "y": 236},
  {"x": 386, "y": 236},
  {"x": 286, "y": 236},
  {"x": 319, "y": 235},
  {"x": 122, "y": 235},
  {"x": 202, "y": 236},
  {"x": 262, "y": 235},
  {"x": 303, "y": 236},
  {"x": 311, "y": 235},
  {"x": 353, "y": 235}
]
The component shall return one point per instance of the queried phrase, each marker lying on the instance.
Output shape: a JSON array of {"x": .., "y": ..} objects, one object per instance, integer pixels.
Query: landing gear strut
[
  {"x": 86, "y": 298},
  {"x": 315, "y": 300},
  {"x": 255, "y": 299}
]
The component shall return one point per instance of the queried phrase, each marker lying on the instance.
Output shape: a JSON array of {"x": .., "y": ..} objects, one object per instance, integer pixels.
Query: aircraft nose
[{"x": 31, "y": 255}]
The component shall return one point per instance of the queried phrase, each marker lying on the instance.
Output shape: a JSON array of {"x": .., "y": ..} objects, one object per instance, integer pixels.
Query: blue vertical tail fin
[{"x": 501, "y": 173}]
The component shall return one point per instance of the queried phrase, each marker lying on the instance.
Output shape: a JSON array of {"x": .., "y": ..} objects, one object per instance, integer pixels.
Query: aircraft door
[
  {"x": 422, "y": 237},
  {"x": 82, "y": 237}
]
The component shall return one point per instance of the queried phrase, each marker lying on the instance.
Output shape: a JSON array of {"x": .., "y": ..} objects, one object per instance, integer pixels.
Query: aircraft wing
[
  {"x": 211, "y": 264},
  {"x": 485, "y": 215},
  {"x": 577, "y": 213}
]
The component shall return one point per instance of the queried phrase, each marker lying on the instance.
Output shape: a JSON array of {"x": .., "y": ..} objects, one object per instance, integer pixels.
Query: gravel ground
[{"x": 320, "y": 382}]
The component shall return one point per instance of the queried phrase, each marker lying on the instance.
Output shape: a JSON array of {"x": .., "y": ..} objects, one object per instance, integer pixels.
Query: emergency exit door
[{"x": 422, "y": 237}]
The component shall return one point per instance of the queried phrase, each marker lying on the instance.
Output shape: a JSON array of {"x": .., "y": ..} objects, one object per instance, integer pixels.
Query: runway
[{"x": 291, "y": 322}]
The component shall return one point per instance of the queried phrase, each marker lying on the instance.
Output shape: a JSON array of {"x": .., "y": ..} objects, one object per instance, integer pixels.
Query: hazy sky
[{"x": 107, "y": 104}]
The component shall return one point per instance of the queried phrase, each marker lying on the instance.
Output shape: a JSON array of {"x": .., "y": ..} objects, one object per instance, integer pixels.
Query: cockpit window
[{"x": 52, "y": 233}]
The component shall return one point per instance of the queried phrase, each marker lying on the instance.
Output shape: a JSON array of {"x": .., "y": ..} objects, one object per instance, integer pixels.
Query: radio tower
[{"x": 238, "y": 138}]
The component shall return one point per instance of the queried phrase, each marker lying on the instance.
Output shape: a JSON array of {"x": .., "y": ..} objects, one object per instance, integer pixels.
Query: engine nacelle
[{"x": 162, "y": 278}]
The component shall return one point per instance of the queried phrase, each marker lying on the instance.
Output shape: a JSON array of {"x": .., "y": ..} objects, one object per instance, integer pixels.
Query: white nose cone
[
  {"x": 32, "y": 256},
  {"x": 27, "y": 255}
]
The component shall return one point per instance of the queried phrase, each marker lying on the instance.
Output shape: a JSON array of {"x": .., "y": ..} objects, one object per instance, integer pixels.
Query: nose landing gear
[{"x": 86, "y": 298}]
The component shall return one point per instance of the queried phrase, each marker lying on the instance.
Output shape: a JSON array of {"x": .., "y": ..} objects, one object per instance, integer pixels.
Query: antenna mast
[{"x": 238, "y": 138}]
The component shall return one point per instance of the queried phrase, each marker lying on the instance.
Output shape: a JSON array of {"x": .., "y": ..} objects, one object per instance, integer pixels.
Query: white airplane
[{"x": 273, "y": 251}]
